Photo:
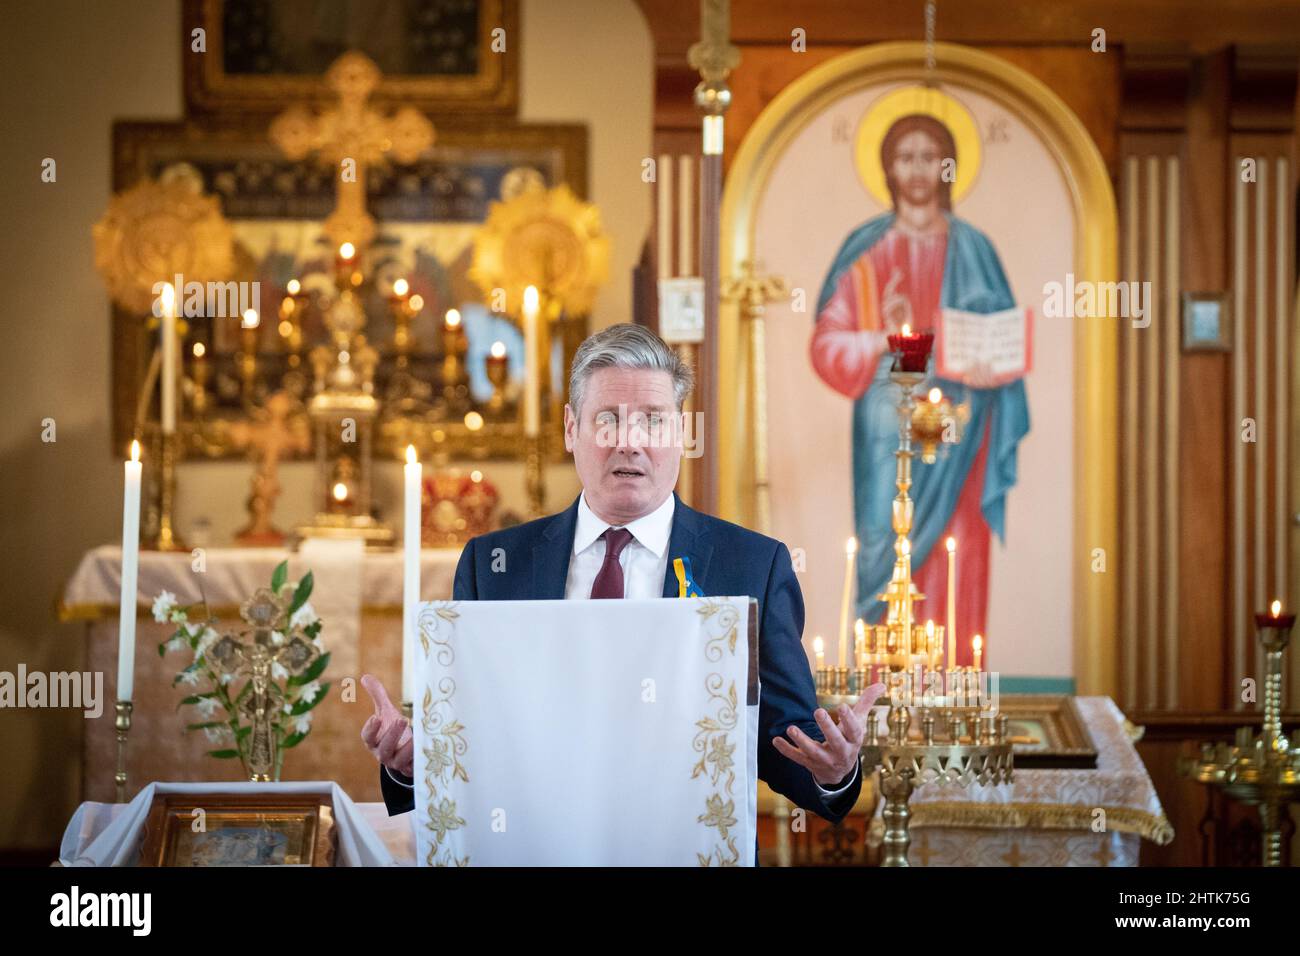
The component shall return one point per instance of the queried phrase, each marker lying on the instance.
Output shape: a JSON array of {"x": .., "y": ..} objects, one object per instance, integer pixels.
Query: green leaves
[
  {"x": 302, "y": 706},
  {"x": 224, "y": 754},
  {"x": 195, "y": 698},
  {"x": 301, "y": 593},
  {"x": 293, "y": 740},
  {"x": 280, "y": 575},
  {"x": 311, "y": 673}
]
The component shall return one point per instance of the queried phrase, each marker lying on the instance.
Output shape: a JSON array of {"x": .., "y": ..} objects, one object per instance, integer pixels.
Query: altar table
[
  {"x": 159, "y": 749},
  {"x": 1042, "y": 818}
]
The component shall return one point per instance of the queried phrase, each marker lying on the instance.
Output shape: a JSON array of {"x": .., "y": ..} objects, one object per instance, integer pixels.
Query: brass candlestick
[
  {"x": 497, "y": 373},
  {"x": 1262, "y": 770},
  {"x": 455, "y": 382},
  {"x": 168, "y": 540},
  {"x": 534, "y": 477},
  {"x": 122, "y": 724},
  {"x": 960, "y": 740}
]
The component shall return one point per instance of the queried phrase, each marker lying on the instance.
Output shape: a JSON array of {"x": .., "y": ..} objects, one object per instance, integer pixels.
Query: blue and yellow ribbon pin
[{"x": 686, "y": 586}]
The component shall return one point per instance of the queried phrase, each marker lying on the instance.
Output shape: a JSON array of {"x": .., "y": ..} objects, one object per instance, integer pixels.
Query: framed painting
[
  {"x": 428, "y": 214},
  {"x": 1047, "y": 732},
  {"x": 239, "y": 830},
  {"x": 441, "y": 56},
  {"x": 1207, "y": 322}
]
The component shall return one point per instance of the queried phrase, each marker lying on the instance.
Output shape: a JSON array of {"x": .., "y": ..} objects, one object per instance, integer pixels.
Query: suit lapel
[
  {"x": 551, "y": 556},
  {"x": 689, "y": 539}
]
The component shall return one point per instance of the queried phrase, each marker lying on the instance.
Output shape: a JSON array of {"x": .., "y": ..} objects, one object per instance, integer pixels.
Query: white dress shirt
[{"x": 644, "y": 560}]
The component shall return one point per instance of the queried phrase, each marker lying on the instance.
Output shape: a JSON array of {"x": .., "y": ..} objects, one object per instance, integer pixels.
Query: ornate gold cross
[
  {"x": 352, "y": 137},
  {"x": 258, "y": 701}
]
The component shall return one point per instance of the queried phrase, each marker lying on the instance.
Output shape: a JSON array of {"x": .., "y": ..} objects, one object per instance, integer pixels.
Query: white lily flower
[
  {"x": 279, "y": 671},
  {"x": 208, "y": 706},
  {"x": 162, "y": 606},
  {"x": 311, "y": 691},
  {"x": 303, "y": 724},
  {"x": 305, "y": 616},
  {"x": 190, "y": 677}
]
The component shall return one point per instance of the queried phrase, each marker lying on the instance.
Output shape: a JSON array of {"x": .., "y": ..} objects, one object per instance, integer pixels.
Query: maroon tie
[{"x": 609, "y": 582}]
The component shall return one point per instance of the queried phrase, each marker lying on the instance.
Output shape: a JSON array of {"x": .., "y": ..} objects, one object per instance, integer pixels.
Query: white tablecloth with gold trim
[{"x": 1047, "y": 817}]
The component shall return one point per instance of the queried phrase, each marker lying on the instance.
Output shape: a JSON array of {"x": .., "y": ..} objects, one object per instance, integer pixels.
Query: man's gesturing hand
[
  {"x": 387, "y": 734},
  {"x": 830, "y": 762}
]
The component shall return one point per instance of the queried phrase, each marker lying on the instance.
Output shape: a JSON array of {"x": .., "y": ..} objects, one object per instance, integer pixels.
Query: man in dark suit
[{"x": 619, "y": 539}]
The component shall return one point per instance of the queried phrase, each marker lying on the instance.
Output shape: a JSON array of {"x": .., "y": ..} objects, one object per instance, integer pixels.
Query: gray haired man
[{"x": 618, "y": 539}]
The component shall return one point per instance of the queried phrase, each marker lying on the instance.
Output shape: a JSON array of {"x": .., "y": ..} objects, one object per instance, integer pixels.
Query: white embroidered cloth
[{"x": 586, "y": 733}]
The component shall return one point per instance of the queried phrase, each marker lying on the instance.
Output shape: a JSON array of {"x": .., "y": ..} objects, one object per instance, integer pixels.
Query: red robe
[{"x": 848, "y": 341}]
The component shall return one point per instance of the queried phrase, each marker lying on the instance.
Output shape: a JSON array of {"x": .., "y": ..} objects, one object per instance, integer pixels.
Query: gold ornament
[
  {"x": 156, "y": 230},
  {"x": 548, "y": 238},
  {"x": 351, "y": 138}
]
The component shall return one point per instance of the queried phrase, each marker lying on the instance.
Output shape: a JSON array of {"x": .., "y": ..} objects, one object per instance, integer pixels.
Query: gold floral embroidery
[
  {"x": 713, "y": 735},
  {"x": 444, "y": 737}
]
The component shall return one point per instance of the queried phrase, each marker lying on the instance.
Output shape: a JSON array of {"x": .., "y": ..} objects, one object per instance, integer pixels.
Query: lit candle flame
[
  {"x": 347, "y": 250},
  {"x": 859, "y": 628},
  {"x": 851, "y": 546},
  {"x": 294, "y": 286},
  {"x": 531, "y": 299},
  {"x": 977, "y": 643},
  {"x": 135, "y": 450},
  {"x": 498, "y": 350},
  {"x": 907, "y": 330},
  {"x": 476, "y": 476},
  {"x": 1276, "y": 608},
  {"x": 453, "y": 318},
  {"x": 251, "y": 319},
  {"x": 401, "y": 287},
  {"x": 936, "y": 396},
  {"x": 168, "y": 297},
  {"x": 199, "y": 350},
  {"x": 929, "y": 629},
  {"x": 410, "y": 455},
  {"x": 818, "y": 645},
  {"x": 952, "y": 545},
  {"x": 415, "y": 303},
  {"x": 340, "y": 491}
]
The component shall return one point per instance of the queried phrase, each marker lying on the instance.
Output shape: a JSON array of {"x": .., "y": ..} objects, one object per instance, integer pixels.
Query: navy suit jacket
[{"x": 726, "y": 561}]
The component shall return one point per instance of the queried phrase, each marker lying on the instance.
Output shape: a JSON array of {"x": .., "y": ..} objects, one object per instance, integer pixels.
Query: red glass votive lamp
[{"x": 911, "y": 350}]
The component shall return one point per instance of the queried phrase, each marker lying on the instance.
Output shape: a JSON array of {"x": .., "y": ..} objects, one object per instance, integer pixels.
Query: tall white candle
[
  {"x": 850, "y": 561},
  {"x": 532, "y": 358},
  {"x": 952, "y": 602},
  {"x": 411, "y": 571},
  {"x": 685, "y": 219},
  {"x": 130, "y": 571},
  {"x": 170, "y": 359}
]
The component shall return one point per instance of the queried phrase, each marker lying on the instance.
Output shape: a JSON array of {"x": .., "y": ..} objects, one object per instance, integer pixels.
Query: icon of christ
[{"x": 906, "y": 267}]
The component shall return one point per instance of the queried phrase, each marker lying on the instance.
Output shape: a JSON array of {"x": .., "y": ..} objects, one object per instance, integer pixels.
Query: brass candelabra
[
  {"x": 1261, "y": 770},
  {"x": 942, "y": 724}
]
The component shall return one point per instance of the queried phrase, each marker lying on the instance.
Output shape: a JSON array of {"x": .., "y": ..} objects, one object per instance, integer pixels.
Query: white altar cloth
[
  {"x": 586, "y": 733},
  {"x": 109, "y": 834}
]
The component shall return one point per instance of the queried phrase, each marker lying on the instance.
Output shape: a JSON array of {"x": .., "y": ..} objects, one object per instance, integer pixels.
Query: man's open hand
[
  {"x": 831, "y": 761},
  {"x": 386, "y": 733}
]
